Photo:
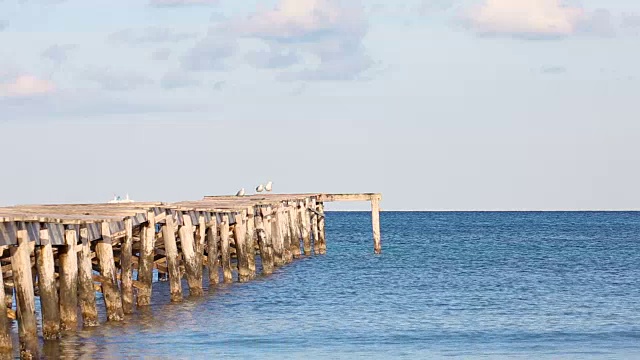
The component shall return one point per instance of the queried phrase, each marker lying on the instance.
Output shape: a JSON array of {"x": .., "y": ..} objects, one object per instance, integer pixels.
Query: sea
[{"x": 468, "y": 285}]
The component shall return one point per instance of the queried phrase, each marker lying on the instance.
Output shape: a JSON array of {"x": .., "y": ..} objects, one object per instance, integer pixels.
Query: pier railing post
[
  {"x": 375, "y": 222},
  {"x": 49, "y": 305},
  {"x": 5, "y": 332},
  {"x": 173, "y": 258},
  {"x": 86, "y": 291},
  {"x": 23, "y": 283},
  {"x": 68, "y": 258},
  {"x": 145, "y": 266},
  {"x": 104, "y": 252}
]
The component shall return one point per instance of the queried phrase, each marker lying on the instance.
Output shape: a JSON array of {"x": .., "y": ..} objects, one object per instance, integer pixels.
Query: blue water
[{"x": 467, "y": 285}]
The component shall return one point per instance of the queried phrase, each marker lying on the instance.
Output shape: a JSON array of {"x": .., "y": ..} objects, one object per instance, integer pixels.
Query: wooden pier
[{"x": 64, "y": 254}]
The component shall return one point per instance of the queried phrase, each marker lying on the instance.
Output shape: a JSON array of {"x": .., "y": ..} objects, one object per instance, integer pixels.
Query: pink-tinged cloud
[
  {"x": 526, "y": 18},
  {"x": 182, "y": 2},
  {"x": 26, "y": 85},
  {"x": 299, "y": 18}
]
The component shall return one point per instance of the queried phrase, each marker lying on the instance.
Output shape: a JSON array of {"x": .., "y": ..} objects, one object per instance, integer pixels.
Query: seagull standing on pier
[
  {"x": 269, "y": 186},
  {"x": 241, "y": 192},
  {"x": 260, "y": 188}
]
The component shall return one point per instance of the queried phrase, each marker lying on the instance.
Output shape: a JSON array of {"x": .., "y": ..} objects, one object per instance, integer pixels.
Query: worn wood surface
[
  {"x": 126, "y": 268},
  {"x": 225, "y": 254},
  {"x": 86, "y": 291},
  {"x": 5, "y": 332},
  {"x": 187, "y": 242},
  {"x": 26, "y": 309},
  {"x": 145, "y": 267},
  {"x": 111, "y": 295},
  {"x": 173, "y": 259},
  {"x": 49, "y": 305},
  {"x": 68, "y": 259}
]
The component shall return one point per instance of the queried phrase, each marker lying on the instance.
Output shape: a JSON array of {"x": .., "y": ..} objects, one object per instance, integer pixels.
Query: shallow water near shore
[{"x": 469, "y": 285}]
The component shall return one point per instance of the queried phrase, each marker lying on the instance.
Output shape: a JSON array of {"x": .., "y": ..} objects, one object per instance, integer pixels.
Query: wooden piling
[
  {"x": 225, "y": 255},
  {"x": 68, "y": 259},
  {"x": 86, "y": 290},
  {"x": 286, "y": 234},
  {"x": 250, "y": 244},
  {"x": 321, "y": 231},
  {"x": 213, "y": 261},
  {"x": 303, "y": 221},
  {"x": 240, "y": 229},
  {"x": 265, "y": 254},
  {"x": 111, "y": 295},
  {"x": 294, "y": 229},
  {"x": 187, "y": 241},
  {"x": 126, "y": 270},
  {"x": 375, "y": 222},
  {"x": 314, "y": 227},
  {"x": 145, "y": 265},
  {"x": 23, "y": 283},
  {"x": 201, "y": 236},
  {"x": 5, "y": 332},
  {"x": 49, "y": 305},
  {"x": 173, "y": 258},
  {"x": 276, "y": 237}
]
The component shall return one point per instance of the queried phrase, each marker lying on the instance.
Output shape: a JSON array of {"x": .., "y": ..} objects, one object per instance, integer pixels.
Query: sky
[{"x": 437, "y": 104}]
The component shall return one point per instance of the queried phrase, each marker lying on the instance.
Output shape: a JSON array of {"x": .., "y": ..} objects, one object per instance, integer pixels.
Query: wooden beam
[{"x": 348, "y": 197}]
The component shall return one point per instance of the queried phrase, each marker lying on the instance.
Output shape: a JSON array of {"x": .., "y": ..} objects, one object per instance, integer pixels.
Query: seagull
[
  {"x": 241, "y": 192},
  {"x": 269, "y": 186},
  {"x": 260, "y": 188}
]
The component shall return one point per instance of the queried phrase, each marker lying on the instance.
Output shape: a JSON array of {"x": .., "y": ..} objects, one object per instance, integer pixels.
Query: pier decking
[{"x": 64, "y": 254}]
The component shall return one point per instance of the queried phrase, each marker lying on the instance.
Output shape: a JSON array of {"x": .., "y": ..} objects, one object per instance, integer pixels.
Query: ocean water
[{"x": 448, "y": 285}]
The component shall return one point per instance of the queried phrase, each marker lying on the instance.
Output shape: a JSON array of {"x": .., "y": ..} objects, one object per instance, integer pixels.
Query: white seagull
[
  {"x": 260, "y": 188},
  {"x": 269, "y": 186},
  {"x": 241, "y": 192}
]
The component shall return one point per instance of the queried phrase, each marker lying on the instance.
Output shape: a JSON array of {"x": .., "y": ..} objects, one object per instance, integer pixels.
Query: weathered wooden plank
[
  {"x": 190, "y": 261},
  {"x": 5, "y": 332},
  {"x": 294, "y": 229},
  {"x": 68, "y": 258},
  {"x": 7, "y": 233},
  {"x": 173, "y": 258},
  {"x": 145, "y": 267},
  {"x": 86, "y": 292},
  {"x": 126, "y": 268},
  {"x": 265, "y": 253},
  {"x": 225, "y": 254},
  {"x": 239, "y": 233},
  {"x": 23, "y": 283},
  {"x": 347, "y": 197},
  {"x": 111, "y": 295},
  {"x": 321, "y": 229},
  {"x": 213, "y": 261},
  {"x": 375, "y": 222},
  {"x": 56, "y": 233},
  {"x": 49, "y": 305},
  {"x": 94, "y": 231}
]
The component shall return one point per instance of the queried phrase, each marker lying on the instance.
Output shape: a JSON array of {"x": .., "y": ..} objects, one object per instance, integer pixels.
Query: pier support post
[
  {"x": 201, "y": 235},
  {"x": 23, "y": 283},
  {"x": 145, "y": 266},
  {"x": 314, "y": 227},
  {"x": 294, "y": 229},
  {"x": 276, "y": 236},
  {"x": 68, "y": 258},
  {"x": 49, "y": 305},
  {"x": 283, "y": 217},
  {"x": 265, "y": 254},
  {"x": 126, "y": 274},
  {"x": 239, "y": 233},
  {"x": 187, "y": 241},
  {"x": 303, "y": 215},
  {"x": 225, "y": 255},
  {"x": 321, "y": 231},
  {"x": 250, "y": 241},
  {"x": 86, "y": 291},
  {"x": 111, "y": 295},
  {"x": 375, "y": 222},
  {"x": 212, "y": 252},
  {"x": 173, "y": 258},
  {"x": 5, "y": 332}
]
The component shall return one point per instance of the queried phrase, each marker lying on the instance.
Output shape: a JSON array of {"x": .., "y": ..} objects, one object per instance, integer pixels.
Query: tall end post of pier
[{"x": 375, "y": 222}]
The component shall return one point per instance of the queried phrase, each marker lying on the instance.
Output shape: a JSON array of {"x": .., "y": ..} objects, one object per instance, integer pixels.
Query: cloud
[
  {"x": 210, "y": 53},
  {"x": 58, "y": 53},
  {"x": 149, "y": 35},
  {"x": 630, "y": 21},
  {"x": 161, "y": 54},
  {"x": 597, "y": 23},
  {"x": 25, "y": 85},
  {"x": 329, "y": 31},
  {"x": 3, "y": 25},
  {"x": 175, "y": 3},
  {"x": 526, "y": 18},
  {"x": 178, "y": 79},
  {"x": 111, "y": 80},
  {"x": 553, "y": 70}
]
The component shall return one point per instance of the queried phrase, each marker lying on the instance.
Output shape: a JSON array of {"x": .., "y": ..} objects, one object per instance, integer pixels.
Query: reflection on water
[{"x": 488, "y": 285}]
